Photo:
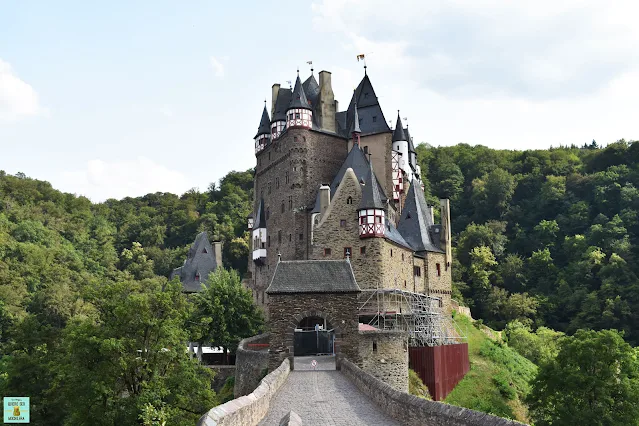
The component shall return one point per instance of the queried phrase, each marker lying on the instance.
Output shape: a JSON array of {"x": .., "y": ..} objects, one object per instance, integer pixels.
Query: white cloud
[
  {"x": 504, "y": 74},
  {"x": 17, "y": 98},
  {"x": 101, "y": 180},
  {"x": 471, "y": 48},
  {"x": 217, "y": 66}
]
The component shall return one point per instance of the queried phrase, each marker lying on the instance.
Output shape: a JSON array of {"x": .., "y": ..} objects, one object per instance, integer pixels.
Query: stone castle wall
[
  {"x": 413, "y": 411},
  {"x": 339, "y": 228},
  {"x": 384, "y": 355},
  {"x": 287, "y": 310},
  {"x": 308, "y": 158},
  {"x": 397, "y": 267},
  {"x": 438, "y": 286},
  {"x": 250, "y": 365}
]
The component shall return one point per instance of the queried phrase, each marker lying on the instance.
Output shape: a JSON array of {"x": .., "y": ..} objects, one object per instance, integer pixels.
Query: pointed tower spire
[
  {"x": 299, "y": 99},
  {"x": 398, "y": 133},
  {"x": 265, "y": 123}
]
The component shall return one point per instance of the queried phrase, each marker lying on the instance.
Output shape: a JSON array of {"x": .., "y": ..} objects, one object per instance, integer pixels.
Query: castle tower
[
  {"x": 263, "y": 136},
  {"x": 299, "y": 112},
  {"x": 372, "y": 218}
]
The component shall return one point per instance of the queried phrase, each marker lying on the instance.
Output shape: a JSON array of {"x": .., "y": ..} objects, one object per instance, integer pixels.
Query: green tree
[
  {"x": 224, "y": 311},
  {"x": 593, "y": 380},
  {"x": 134, "y": 352}
]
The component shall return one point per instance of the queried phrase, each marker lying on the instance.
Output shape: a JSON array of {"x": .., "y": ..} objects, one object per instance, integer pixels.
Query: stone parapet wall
[
  {"x": 250, "y": 365},
  {"x": 248, "y": 410},
  {"x": 384, "y": 355},
  {"x": 411, "y": 410}
]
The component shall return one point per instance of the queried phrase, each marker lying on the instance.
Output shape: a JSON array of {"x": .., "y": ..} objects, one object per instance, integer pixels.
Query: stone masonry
[
  {"x": 287, "y": 310},
  {"x": 384, "y": 355},
  {"x": 287, "y": 176}
]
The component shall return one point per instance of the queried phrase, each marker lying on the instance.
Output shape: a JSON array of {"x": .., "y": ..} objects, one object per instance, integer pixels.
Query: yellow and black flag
[{"x": 360, "y": 57}]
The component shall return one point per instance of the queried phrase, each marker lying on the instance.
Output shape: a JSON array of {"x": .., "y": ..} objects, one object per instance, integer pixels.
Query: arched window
[{"x": 349, "y": 200}]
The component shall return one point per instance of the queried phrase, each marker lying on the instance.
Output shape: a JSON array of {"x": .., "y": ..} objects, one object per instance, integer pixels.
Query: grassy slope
[{"x": 498, "y": 377}]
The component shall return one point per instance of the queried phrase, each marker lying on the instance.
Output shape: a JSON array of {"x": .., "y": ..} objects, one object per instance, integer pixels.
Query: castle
[{"x": 334, "y": 185}]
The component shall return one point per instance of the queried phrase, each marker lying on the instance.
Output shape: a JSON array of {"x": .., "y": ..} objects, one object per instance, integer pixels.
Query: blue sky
[{"x": 119, "y": 98}]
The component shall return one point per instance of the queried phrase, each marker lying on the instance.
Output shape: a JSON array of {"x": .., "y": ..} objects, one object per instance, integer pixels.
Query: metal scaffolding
[{"x": 418, "y": 314}]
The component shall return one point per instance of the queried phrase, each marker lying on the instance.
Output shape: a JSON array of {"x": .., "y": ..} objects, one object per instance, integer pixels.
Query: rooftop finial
[
  {"x": 348, "y": 255},
  {"x": 279, "y": 257},
  {"x": 365, "y": 70},
  {"x": 298, "y": 71},
  {"x": 311, "y": 64}
]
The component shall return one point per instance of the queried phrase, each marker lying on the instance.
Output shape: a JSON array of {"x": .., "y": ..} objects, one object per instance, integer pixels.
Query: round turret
[{"x": 299, "y": 112}]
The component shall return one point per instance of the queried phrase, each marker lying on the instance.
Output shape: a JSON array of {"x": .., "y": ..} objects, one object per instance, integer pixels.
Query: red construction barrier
[{"x": 440, "y": 367}]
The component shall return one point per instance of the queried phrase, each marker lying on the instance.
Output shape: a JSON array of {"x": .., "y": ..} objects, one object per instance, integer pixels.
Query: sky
[{"x": 123, "y": 98}]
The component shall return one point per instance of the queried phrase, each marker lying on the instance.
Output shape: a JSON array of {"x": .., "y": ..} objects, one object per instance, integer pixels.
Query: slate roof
[
  {"x": 411, "y": 148},
  {"x": 281, "y": 104},
  {"x": 356, "y": 160},
  {"x": 260, "y": 221},
  {"x": 370, "y": 113},
  {"x": 299, "y": 99},
  {"x": 393, "y": 235},
  {"x": 313, "y": 276},
  {"x": 371, "y": 197},
  {"x": 312, "y": 90},
  {"x": 415, "y": 223},
  {"x": 398, "y": 133},
  {"x": 199, "y": 260},
  {"x": 265, "y": 124}
]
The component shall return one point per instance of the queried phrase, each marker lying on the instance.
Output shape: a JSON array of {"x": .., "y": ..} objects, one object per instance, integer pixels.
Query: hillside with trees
[
  {"x": 546, "y": 237},
  {"x": 546, "y": 243}
]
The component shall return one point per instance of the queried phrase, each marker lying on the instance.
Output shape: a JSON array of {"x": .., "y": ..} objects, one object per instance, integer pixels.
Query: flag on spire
[
  {"x": 309, "y": 62},
  {"x": 360, "y": 57}
]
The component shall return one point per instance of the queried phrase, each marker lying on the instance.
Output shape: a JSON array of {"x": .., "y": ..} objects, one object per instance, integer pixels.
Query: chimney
[
  {"x": 327, "y": 102},
  {"x": 446, "y": 232},
  {"x": 217, "y": 252},
  {"x": 325, "y": 198},
  {"x": 274, "y": 91}
]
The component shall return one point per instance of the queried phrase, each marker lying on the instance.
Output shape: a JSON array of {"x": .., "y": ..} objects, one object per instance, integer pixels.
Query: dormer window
[
  {"x": 349, "y": 200},
  {"x": 197, "y": 276},
  {"x": 297, "y": 115},
  {"x": 205, "y": 251}
]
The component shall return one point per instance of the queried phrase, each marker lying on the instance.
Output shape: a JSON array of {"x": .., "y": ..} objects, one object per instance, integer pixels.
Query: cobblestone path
[{"x": 324, "y": 398}]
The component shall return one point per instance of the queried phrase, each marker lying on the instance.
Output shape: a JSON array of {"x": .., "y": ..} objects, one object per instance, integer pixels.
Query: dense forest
[
  {"x": 549, "y": 237},
  {"x": 544, "y": 240}
]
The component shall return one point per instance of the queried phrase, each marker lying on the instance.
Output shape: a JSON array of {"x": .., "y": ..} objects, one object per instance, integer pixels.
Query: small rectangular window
[
  {"x": 327, "y": 252},
  {"x": 301, "y": 237},
  {"x": 342, "y": 223},
  {"x": 366, "y": 149},
  {"x": 348, "y": 252},
  {"x": 290, "y": 237},
  {"x": 439, "y": 270},
  {"x": 374, "y": 346},
  {"x": 417, "y": 271},
  {"x": 297, "y": 115},
  {"x": 362, "y": 250}
]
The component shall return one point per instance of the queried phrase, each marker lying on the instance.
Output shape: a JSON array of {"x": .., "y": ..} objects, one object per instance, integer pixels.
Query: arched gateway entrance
[
  {"x": 312, "y": 311},
  {"x": 314, "y": 336}
]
